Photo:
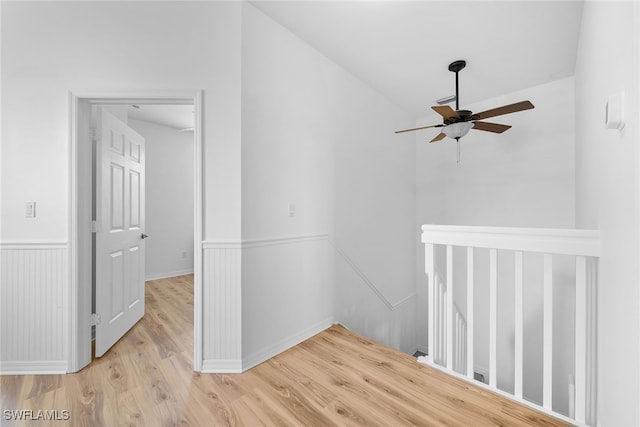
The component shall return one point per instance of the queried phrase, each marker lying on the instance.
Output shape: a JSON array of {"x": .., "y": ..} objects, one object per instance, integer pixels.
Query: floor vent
[{"x": 476, "y": 375}]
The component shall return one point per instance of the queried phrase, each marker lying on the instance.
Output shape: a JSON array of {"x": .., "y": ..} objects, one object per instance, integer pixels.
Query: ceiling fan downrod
[{"x": 456, "y": 67}]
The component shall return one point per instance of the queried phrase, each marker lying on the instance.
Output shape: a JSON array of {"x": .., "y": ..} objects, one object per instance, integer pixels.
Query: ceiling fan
[{"x": 457, "y": 123}]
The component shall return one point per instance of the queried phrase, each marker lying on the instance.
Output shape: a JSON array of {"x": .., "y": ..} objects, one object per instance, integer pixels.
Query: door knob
[{"x": 143, "y": 236}]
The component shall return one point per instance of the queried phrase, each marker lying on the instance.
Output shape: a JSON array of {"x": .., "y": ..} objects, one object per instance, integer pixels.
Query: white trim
[
  {"x": 545, "y": 240},
  {"x": 284, "y": 344},
  {"x": 33, "y": 245},
  {"x": 221, "y": 366},
  {"x": 77, "y": 354},
  {"x": 168, "y": 274},
  {"x": 198, "y": 271},
  {"x": 33, "y": 367},
  {"x": 256, "y": 243},
  {"x": 221, "y": 244},
  {"x": 635, "y": 123},
  {"x": 151, "y": 96}
]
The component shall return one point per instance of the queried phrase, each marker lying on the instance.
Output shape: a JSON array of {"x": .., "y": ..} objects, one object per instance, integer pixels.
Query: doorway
[{"x": 81, "y": 205}]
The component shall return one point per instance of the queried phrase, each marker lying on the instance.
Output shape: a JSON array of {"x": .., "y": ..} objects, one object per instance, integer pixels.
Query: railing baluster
[
  {"x": 493, "y": 319},
  {"x": 456, "y": 347},
  {"x": 449, "y": 308},
  {"x": 592, "y": 342},
  {"x": 439, "y": 325},
  {"x": 470, "y": 331},
  {"x": 439, "y": 328},
  {"x": 547, "y": 354},
  {"x": 442, "y": 346},
  {"x": 519, "y": 324},
  {"x": 451, "y": 336},
  {"x": 581, "y": 339},
  {"x": 430, "y": 270}
]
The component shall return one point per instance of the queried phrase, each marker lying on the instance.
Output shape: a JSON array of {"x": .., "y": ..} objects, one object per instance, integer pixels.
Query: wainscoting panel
[
  {"x": 261, "y": 297},
  {"x": 287, "y": 294},
  {"x": 222, "y": 310},
  {"x": 33, "y": 306}
]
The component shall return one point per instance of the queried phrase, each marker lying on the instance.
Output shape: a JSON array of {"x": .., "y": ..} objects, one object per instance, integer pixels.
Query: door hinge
[
  {"x": 95, "y": 319},
  {"x": 94, "y": 226},
  {"x": 94, "y": 134}
]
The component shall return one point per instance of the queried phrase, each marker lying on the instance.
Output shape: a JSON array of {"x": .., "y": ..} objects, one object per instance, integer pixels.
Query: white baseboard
[
  {"x": 221, "y": 366},
  {"x": 168, "y": 274},
  {"x": 285, "y": 344},
  {"x": 36, "y": 367}
]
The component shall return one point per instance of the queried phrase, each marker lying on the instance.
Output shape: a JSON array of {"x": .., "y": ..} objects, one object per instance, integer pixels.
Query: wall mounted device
[
  {"x": 614, "y": 118},
  {"x": 30, "y": 210}
]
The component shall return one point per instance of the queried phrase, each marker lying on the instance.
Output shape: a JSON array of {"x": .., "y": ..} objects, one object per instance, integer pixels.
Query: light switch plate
[
  {"x": 30, "y": 209},
  {"x": 615, "y": 111}
]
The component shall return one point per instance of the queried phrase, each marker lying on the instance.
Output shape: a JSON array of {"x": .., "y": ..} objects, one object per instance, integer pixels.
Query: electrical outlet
[
  {"x": 184, "y": 254},
  {"x": 292, "y": 210}
]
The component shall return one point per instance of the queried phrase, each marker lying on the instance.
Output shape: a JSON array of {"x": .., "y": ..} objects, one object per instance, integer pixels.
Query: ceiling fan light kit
[
  {"x": 457, "y": 130},
  {"x": 457, "y": 123}
]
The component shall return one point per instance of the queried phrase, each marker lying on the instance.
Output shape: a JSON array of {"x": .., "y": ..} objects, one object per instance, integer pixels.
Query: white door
[{"x": 120, "y": 247}]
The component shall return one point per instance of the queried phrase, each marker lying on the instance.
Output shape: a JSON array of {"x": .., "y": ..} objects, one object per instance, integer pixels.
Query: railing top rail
[{"x": 544, "y": 240}]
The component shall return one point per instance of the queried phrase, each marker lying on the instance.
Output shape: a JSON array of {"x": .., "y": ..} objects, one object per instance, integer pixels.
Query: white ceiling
[
  {"x": 403, "y": 48},
  {"x": 175, "y": 116}
]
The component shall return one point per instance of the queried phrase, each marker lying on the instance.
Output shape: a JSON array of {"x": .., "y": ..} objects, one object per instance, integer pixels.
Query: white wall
[
  {"x": 316, "y": 137},
  {"x": 521, "y": 178},
  {"x": 607, "y": 197},
  {"x": 169, "y": 199},
  {"x": 51, "y": 48}
]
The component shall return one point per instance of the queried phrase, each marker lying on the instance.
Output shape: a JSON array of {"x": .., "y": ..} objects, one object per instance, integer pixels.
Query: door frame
[{"x": 78, "y": 317}]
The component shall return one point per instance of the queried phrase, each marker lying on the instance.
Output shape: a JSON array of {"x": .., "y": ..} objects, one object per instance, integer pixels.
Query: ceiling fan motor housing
[{"x": 463, "y": 116}]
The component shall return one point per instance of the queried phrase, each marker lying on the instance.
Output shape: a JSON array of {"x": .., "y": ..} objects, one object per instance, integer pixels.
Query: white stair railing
[
  {"x": 459, "y": 338},
  {"x": 451, "y": 333}
]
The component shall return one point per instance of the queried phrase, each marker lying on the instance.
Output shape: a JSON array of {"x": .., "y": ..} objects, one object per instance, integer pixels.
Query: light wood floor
[{"x": 334, "y": 378}]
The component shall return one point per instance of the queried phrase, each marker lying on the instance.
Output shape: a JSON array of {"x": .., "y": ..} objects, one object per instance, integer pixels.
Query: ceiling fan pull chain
[{"x": 458, "y": 144}]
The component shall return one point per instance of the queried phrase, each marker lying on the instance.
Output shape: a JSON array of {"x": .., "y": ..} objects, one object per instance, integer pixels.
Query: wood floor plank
[
  {"x": 336, "y": 378},
  {"x": 391, "y": 401}
]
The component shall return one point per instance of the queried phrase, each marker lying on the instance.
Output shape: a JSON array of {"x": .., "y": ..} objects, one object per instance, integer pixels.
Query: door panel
[
  {"x": 117, "y": 197},
  {"x": 135, "y": 202},
  {"x": 116, "y": 279},
  {"x": 133, "y": 294},
  {"x": 120, "y": 212}
]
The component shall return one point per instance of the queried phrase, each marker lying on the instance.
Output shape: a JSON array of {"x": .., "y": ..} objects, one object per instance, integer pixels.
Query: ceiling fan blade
[
  {"x": 424, "y": 127},
  {"x": 438, "y": 137},
  {"x": 505, "y": 109},
  {"x": 445, "y": 111},
  {"x": 490, "y": 127}
]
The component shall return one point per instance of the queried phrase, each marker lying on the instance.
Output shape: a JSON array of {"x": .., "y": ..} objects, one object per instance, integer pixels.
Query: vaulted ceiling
[{"x": 403, "y": 48}]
